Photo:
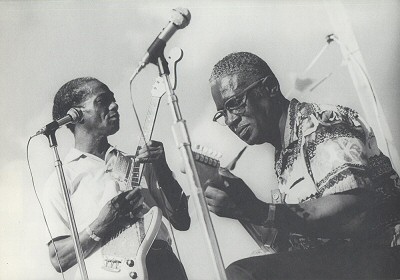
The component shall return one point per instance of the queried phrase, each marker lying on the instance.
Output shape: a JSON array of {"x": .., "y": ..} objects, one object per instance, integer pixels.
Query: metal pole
[
  {"x": 182, "y": 140},
  {"x": 357, "y": 69},
  {"x": 68, "y": 206}
]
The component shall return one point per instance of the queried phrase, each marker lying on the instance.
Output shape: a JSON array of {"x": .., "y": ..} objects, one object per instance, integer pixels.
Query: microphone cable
[{"x": 41, "y": 206}]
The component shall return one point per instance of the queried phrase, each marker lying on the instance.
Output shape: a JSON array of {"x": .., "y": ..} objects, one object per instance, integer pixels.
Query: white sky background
[{"x": 47, "y": 43}]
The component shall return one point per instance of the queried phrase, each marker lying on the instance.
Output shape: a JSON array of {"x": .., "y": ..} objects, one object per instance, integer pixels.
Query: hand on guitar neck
[{"x": 153, "y": 152}]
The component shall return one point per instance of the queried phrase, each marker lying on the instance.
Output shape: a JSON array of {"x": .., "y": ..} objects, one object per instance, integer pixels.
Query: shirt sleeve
[
  {"x": 178, "y": 215},
  {"x": 338, "y": 147},
  {"x": 156, "y": 191},
  {"x": 54, "y": 208}
]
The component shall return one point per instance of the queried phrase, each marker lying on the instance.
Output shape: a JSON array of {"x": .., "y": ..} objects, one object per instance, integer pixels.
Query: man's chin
[
  {"x": 114, "y": 130},
  {"x": 248, "y": 140},
  {"x": 253, "y": 140}
]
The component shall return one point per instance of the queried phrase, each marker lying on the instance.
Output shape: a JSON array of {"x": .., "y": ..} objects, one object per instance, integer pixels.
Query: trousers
[
  {"x": 162, "y": 263},
  {"x": 345, "y": 261}
]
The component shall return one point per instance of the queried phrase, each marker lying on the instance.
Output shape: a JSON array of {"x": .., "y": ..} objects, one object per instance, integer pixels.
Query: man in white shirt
[{"x": 107, "y": 209}]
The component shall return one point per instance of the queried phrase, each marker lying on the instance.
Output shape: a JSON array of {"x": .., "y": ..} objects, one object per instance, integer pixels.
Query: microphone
[
  {"x": 180, "y": 18},
  {"x": 74, "y": 115}
]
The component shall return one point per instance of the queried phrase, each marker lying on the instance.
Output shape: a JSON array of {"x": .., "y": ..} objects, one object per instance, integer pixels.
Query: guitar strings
[{"x": 136, "y": 114}]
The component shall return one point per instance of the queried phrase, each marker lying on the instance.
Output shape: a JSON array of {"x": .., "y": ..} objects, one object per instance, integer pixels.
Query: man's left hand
[{"x": 152, "y": 152}]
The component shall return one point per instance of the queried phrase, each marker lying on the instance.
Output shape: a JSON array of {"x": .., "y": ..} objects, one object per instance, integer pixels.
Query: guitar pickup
[{"x": 112, "y": 265}]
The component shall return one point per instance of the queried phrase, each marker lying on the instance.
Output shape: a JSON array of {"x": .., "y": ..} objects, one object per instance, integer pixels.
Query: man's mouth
[
  {"x": 243, "y": 132},
  {"x": 114, "y": 116}
]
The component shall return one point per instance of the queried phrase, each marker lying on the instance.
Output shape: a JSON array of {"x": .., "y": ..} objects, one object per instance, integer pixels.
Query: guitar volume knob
[
  {"x": 133, "y": 275},
  {"x": 130, "y": 263}
]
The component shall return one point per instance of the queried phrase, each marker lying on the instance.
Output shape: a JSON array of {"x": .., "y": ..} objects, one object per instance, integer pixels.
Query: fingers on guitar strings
[
  {"x": 124, "y": 200},
  {"x": 129, "y": 195},
  {"x": 146, "y": 156},
  {"x": 133, "y": 214}
]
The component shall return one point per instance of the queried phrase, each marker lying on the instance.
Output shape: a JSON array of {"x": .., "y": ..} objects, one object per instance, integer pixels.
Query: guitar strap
[{"x": 270, "y": 233}]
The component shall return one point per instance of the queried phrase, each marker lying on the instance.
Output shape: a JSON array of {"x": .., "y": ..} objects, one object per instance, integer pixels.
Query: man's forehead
[
  {"x": 233, "y": 84},
  {"x": 96, "y": 85},
  {"x": 226, "y": 85},
  {"x": 96, "y": 89}
]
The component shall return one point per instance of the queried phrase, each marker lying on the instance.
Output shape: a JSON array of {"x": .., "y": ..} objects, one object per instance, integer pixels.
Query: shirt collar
[
  {"x": 290, "y": 133},
  {"x": 75, "y": 154}
]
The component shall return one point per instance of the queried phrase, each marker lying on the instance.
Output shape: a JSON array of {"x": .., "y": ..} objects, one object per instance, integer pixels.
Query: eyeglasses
[{"x": 237, "y": 103}]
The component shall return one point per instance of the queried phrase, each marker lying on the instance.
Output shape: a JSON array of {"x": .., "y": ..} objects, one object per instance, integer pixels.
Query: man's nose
[{"x": 232, "y": 119}]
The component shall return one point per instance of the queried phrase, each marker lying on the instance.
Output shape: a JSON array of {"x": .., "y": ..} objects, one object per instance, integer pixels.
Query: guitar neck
[{"x": 137, "y": 168}]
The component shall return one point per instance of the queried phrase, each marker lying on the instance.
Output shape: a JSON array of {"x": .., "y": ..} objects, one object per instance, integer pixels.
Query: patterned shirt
[{"x": 329, "y": 149}]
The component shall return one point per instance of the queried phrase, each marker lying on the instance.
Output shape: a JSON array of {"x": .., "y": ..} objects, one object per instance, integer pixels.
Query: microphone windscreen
[
  {"x": 180, "y": 17},
  {"x": 75, "y": 114}
]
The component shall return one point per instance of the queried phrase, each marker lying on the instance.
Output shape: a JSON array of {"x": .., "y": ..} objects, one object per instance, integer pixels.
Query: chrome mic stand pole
[
  {"x": 182, "y": 140},
  {"x": 61, "y": 178}
]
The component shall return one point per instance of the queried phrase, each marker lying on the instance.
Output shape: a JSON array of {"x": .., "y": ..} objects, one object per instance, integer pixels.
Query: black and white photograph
[{"x": 200, "y": 140}]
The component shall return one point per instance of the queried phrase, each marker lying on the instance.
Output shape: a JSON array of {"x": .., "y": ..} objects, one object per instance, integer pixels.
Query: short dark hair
[
  {"x": 69, "y": 95},
  {"x": 240, "y": 62}
]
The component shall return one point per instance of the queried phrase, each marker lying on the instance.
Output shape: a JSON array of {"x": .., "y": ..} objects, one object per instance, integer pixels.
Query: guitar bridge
[{"x": 112, "y": 264}]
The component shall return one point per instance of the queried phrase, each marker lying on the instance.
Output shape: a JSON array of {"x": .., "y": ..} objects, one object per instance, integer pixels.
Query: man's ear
[{"x": 271, "y": 84}]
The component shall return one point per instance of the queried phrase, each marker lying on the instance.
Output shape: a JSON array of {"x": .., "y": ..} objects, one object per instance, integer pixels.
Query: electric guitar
[
  {"x": 208, "y": 167},
  {"x": 124, "y": 254}
]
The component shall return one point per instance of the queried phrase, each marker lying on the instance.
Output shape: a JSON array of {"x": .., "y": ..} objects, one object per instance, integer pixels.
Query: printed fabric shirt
[{"x": 329, "y": 149}]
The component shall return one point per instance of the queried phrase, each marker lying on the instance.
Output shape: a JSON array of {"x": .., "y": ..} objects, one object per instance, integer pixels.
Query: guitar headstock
[
  {"x": 207, "y": 163},
  {"x": 206, "y": 156},
  {"x": 158, "y": 89}
]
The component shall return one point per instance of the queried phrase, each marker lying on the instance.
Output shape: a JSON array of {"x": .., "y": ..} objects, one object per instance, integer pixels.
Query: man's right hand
[
  {"x": 119, "y": 211},
  {"x": 232, "y": 198}
]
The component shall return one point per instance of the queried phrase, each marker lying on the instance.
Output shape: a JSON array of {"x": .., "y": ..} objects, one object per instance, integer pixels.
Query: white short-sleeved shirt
[{"x": 91, "y": 186}]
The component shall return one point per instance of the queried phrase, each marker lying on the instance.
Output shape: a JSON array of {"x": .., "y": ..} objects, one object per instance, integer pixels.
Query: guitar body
[{"x": 123, "y": 257}]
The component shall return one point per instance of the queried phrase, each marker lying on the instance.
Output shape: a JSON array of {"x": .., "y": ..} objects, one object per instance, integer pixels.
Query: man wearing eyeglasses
[{"x": 338, "y": 197}]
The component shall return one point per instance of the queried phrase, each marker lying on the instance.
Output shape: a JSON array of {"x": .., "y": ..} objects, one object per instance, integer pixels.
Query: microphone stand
[
  {"x": 61, "y": 178},
  {"x": 182, "y": 140}
]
